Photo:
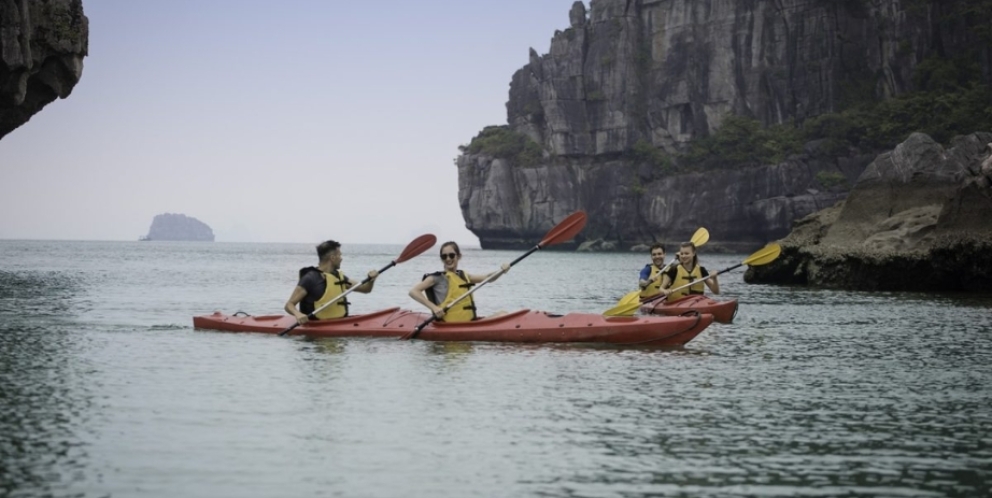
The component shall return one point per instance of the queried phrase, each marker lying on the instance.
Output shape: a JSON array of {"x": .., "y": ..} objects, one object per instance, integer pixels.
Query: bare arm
[
  {"x": 475, "y": 279},
  {"x": 713, "y": 284},
  {"x": 367, "y": 286},
  {"x": 294, "y": 299},
  {"x": 666, "y": 282},
  {"x": 417, "y": 294}
]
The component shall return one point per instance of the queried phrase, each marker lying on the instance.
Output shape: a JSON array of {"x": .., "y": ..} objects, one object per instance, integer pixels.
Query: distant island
[{"x": 171, "y": 226}]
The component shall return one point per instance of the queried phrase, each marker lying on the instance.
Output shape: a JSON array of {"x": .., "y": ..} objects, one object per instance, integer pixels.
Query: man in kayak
[
  {"x": 438, "y": 290},
  {"x": 652, "y": 273},
  {"x": 688, "y": 270},
  {"x": 322, "y": 284}
]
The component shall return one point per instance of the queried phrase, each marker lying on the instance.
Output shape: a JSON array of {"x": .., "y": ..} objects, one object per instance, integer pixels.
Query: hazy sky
[{"x": 290, "y": 121}]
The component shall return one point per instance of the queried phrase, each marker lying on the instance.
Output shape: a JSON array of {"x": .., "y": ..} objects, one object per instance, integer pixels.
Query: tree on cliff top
[{"x": 502, "y": 142}]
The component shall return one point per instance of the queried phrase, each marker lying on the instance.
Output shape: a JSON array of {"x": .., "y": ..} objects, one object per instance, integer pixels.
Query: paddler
[
  {"x": 653, "y": 273},
  {"x": 438, "y": 290},
  {"x": 323, "y": 283},
  {"x": 688, "y": 270}
]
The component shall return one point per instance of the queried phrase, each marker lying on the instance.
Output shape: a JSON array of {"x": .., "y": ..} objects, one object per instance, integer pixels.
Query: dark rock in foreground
[
  {"x": 42, "y": 45},
  {"x": 179, "y": 227},
  {"x": 918, "y": 219}
]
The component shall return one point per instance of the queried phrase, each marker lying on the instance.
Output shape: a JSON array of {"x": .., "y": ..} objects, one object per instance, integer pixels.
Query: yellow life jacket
[
  {"x": 654, "y": 287},
  {"x": 449, "y": 286},
  {"x": 337, "y": 283},
  {"x": 682, "y": 277}
]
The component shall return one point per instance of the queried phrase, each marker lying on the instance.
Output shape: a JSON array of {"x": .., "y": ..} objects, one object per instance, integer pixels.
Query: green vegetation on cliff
[
  {"x": 741, "y": 140},
  {"x": 951, "y": 100},
  {"x": 644, "y": 152},
  {"x": 502, "y": 142},
  {"x": 952, "y": 97}
]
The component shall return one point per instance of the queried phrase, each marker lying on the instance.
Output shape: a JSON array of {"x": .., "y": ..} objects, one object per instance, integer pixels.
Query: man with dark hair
[
  {"x": 651, "y": 274},
  {"x": 322, "y": 284}
]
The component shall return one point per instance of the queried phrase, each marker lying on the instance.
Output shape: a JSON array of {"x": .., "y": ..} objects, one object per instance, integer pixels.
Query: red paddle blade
[
  {"x": 566, "y": 230},
  {"x": 417, "y": 246}
]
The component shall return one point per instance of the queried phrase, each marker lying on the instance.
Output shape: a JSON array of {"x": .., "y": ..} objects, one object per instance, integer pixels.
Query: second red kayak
[
  {"x": 519, "y": 326},
  {"x": 722, "y": 311}
]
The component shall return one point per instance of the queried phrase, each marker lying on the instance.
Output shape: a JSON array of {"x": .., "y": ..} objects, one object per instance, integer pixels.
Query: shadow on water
[{"x": 42, "y": 406}]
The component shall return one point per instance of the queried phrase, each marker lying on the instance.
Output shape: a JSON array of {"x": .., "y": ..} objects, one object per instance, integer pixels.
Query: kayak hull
[
  {"x": 523, "y": 326},
  {"x": 722, "y": 311}
]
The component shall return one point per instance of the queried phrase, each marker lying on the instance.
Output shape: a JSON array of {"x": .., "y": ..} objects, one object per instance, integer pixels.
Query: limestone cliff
[
  {"x": 509, "y": 207},
  {"x": 918, "y": 218},
  {"x": 170, "y": 226},
  {"x": 666, "y": 72},
  {"x": 42, "y": 45}
]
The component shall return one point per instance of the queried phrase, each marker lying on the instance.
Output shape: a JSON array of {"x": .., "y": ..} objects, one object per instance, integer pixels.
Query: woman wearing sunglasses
[{"x": 440, "y": 289}]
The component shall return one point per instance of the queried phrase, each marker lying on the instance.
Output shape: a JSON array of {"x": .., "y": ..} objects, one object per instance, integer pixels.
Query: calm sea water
[{"x": 106, "y": 389}]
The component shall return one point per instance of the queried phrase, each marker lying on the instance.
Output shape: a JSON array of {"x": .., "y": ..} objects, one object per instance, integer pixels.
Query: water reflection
[
  {"x": 328, "y": 345},
  {"x": 452, "y": 350}
]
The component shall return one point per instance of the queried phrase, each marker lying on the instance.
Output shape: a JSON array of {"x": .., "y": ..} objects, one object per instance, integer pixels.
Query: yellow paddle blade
[
  {"x": 701, "y": 237},
  {"x": 623, "y": 309},
  {"x": 764, "y": 255},
  {"x": 630, "y": 303},
  {"x": 631, "y": 297}
]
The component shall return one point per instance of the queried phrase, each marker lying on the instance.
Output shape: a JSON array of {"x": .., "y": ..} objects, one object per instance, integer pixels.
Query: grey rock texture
[
  {"x": 918, "y": 218},
  {"x": 666, "y": 72},
  {"x": 669, "y": 70},
  {"x": 509, "y": 207},
  {"x": 42, "y": 45},
  {"x": 170, "y": 226}
]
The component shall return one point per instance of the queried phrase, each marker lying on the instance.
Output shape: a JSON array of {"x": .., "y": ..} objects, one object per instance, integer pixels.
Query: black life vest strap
[
  {"x": 693, "y": 279},
  {"x": 468, "y": 283},
  {"x": 340, "y": 283}
]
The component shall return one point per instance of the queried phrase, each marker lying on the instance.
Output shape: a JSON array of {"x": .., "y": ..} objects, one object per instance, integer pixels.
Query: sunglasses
[{"x": 449, "y": 255}]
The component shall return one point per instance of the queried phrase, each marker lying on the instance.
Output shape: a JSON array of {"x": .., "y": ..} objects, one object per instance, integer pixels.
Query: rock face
[
  {"x": 509, "y": 207},
  {"x": 918, "y": 218},
  {"x": 666, "y": 72},
  {"x": 42, "y": 45},
  {"x": 170, "y": 226}
]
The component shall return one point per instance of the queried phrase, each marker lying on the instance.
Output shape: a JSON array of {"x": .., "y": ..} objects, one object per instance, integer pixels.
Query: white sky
[{"x": 291, "y": 121}]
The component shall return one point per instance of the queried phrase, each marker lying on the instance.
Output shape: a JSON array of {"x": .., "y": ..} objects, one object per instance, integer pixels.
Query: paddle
[
  {"x": 412, "y": 250},
  {"x": 762, "y": 256},
  {"x": 699, "y": 238},
  {"x": 563, "y": 231}
]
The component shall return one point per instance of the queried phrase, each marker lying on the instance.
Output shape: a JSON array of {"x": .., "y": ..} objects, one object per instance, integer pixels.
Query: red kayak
[
  {"x": 722, "y": 311},
  {"x": 520, "y": 326}
]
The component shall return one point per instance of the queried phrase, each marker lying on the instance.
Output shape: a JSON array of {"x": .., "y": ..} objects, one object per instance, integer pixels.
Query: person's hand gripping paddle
[
  {"x": 634, "y": 298},
  {"x": 762, "y": 256},
  {"x": 562, "y": 232},
  {"x": 412, "y": 250}
]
